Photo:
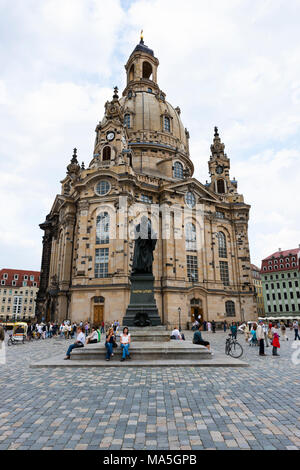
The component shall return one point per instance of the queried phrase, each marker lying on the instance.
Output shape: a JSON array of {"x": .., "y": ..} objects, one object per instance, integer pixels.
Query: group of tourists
[
  {"x": 95, "y": 337},
  {"x": 262, "y": 334},
  {"x": 268, "y": 333}
]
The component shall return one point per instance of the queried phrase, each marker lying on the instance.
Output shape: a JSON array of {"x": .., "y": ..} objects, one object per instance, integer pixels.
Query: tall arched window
[
  {"x": 230, "y": 308},
  {"x": 222, "y": 245},
  {"x": 190, "y": 237},
  {"x": 178, "y": 170},
  {"x": 102, "y": 228},
  {"x": 127, "y": 120},
  {"x": 147, "y": 70},
  {"x": 167, "y": 126},
  {"x": 221, "y": 186},
  {"x": 106, "y": 155},
  {"x": 131, "y": 73}
]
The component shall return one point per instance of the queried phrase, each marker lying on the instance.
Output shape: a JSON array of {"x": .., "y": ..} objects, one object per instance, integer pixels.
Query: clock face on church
[
  {"x": 110, "y": 136},
  {"x": 219, "y": 169}
]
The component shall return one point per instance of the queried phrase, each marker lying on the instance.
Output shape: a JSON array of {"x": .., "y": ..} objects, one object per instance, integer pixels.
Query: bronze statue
[{"x": 145, "y": 242}]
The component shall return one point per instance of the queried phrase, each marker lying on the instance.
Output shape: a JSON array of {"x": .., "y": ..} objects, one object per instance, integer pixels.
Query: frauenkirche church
[{"x": 141, "y": 166}]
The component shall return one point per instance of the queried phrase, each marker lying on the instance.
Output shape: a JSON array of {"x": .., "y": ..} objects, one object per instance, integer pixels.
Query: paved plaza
[{"x": 256, "y": 407}]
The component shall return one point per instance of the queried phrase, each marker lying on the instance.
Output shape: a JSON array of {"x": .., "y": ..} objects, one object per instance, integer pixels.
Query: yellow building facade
[
  {"x": 141, "y": 165},
  {"x": 257, "y": 282}
]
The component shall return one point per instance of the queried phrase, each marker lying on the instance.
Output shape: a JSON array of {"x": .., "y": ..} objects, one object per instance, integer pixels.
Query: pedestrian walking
[
  {"x": 208, "y": 326},
  {"x": 275, "y": 343},
  {"x": 102, "y": 327},
  {"x": 296, "y": 330},
  {"x": 213, "y": 326},
  {"x": 260, "y": 335},
  {"x": 253, "y": 341},
  {"x": 283, "y": 332},
  {"x": 225, "y": 326},
  {"x": 233, "y": 330},
  {"x": 247, "y": 332},
  {"x": 265, "y": 327}
]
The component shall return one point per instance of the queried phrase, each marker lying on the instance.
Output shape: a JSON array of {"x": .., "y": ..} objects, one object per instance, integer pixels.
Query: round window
[
  {"x": 190, "y": 199},
  {"x": 102, "y": 188}
]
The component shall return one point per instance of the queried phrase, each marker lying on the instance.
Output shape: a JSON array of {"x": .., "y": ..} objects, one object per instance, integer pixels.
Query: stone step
[
  {"x": 217, "y": 360},
  {"x": 146, "y": 351}
]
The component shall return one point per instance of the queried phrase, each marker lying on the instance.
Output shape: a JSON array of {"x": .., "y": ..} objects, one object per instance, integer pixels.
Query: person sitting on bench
[
  {"x": 78, "y": 344},
  {"x": 93, "y": 336},
  {"x": 198, "y": 339},
  {"x": 176, "y": 334}
]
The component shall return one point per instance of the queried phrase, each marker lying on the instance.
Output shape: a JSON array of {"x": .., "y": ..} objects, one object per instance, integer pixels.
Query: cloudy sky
[{"x": 233, "y": 63}]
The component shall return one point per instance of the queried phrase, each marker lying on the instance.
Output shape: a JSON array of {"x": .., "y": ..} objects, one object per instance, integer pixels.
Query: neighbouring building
[
  {"x": 256, "y": 277},
  {"x": 141, "y": 164},
  {"x": 18, "y": 291},
  {"x": 281, "y": 283}
]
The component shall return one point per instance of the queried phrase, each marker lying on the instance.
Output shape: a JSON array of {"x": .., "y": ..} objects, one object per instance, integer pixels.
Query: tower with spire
[{"x": 219, "y": 170}]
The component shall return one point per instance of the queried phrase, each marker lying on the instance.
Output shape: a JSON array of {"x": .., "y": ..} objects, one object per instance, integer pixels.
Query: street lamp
[{"x": 179, "y": 322}]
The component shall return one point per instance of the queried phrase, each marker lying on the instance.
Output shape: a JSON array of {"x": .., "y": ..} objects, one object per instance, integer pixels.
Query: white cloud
[{"x": 234, "y": 64}]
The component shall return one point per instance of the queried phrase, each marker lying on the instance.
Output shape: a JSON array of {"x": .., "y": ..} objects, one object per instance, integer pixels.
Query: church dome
[
  {"x": 152, "y": 119},
  {"x": 155, "y": 134}
]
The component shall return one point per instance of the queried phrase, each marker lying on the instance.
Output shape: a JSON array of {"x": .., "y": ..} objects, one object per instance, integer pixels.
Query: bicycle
[{"x": 233, "y": 347}]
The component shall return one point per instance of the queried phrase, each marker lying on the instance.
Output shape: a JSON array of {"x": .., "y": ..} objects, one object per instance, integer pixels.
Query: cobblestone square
[{"x": 151, "y": 408}]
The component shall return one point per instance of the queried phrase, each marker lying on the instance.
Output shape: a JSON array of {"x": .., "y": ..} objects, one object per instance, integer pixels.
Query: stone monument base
[{"x": 142, "y": 310}]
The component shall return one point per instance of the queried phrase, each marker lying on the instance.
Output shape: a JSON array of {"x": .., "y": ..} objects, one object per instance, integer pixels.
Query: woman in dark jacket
[{"x": 110, "y": 340}]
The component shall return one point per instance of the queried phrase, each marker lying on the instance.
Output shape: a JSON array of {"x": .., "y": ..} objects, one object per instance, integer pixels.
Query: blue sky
[{"x": 234, "y": 64}]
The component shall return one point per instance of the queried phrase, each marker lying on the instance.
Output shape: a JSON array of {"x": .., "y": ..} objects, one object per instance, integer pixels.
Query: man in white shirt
[
  {"x": 260, "y": 335},
  {"x": 79, "y": 343},
  {"x": 176, "y": 334}
]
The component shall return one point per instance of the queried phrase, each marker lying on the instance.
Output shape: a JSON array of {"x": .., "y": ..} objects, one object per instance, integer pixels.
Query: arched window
[
  {"x": 127, "y": 120},
  {"x": 106, "y": 155},
  {"x": 178, "y": 170},
  {"x": 230, "y": 308},
  {"x": 147, "y": 70},
  {"x": 222, "y": 245},
  {"x": 190, "y": 237},
  {"x": 131, "y": 73},
  {"x": 167, "y": 126},
  {"x": 196, "y": 302},
  {"x": 102, "y": 228},
  {"x": 221, "y": 186}
]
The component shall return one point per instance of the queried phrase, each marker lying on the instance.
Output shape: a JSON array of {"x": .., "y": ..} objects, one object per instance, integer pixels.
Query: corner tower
[{"x": 219, "y": 170}]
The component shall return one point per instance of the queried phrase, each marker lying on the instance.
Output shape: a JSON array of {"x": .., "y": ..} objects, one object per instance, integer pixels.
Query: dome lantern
[{"x": 142, "y": 65}]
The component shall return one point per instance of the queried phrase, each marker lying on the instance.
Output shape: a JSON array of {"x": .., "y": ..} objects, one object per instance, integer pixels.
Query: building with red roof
[{"x": 18, "y": 290}]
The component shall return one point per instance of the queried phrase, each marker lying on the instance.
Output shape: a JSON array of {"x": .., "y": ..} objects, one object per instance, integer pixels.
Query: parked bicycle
[{"x": 233, "y": 347}]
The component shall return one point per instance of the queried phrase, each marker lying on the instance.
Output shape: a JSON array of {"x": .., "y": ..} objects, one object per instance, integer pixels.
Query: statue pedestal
[{"x": 142, "y": 309}]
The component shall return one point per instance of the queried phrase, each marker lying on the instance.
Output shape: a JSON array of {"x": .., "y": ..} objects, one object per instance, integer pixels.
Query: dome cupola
[{"x": 141, "y": 67}]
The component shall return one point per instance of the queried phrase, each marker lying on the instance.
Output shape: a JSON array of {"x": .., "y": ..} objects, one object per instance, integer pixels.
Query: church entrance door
[
  {"x": 98, "y": 314},
  {"x": 195, "y": 312}
]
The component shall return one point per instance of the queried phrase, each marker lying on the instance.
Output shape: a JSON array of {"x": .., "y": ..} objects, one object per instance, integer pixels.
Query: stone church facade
[{"x": 141, "y": 166}]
